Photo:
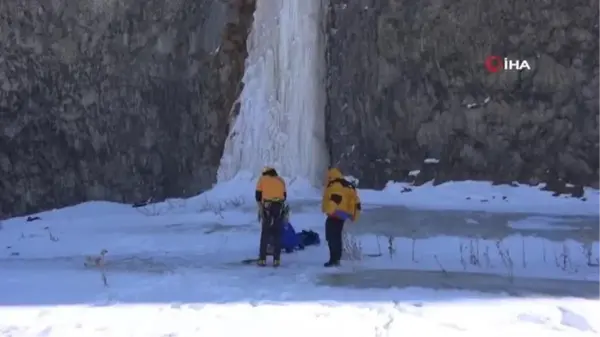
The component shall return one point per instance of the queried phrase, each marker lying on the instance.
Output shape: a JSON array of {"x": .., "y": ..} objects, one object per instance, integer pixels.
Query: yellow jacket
[
  {"x": 270, "y": 187},
  {"x": 340, "y": 198}
]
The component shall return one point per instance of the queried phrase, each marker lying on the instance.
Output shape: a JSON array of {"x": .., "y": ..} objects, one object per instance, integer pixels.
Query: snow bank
[
  {"x": 464, "y": 195},
  {"x": 483, "y": 196},
  {"x": 243, "y": 186}
]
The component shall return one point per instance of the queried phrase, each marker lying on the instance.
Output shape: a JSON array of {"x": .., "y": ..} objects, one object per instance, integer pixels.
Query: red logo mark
[{"x": 493, "y": 64}]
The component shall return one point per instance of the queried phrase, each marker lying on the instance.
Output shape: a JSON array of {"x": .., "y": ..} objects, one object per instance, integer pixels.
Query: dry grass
[{"x": 352, "y": 248}]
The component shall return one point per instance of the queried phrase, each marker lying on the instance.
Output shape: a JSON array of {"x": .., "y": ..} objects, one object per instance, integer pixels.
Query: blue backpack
[{"x": 289, "y": 240}]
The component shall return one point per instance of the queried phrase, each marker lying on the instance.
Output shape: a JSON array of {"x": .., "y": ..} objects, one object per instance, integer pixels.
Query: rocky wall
[
  {"x": 115, "y": 100},
  {"x": 406, "y": 82}
]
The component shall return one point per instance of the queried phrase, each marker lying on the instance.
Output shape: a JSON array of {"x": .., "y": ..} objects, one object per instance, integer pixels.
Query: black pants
[
  {"x": 271, "y": 228},
  {"x": 333, "y": 235}
]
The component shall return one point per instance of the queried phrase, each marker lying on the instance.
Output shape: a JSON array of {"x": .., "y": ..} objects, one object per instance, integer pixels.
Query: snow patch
[
  {"x": 353, "y": 180},
  {"x": 414, "y": 173},
  {"x": 482, "y": 196}
]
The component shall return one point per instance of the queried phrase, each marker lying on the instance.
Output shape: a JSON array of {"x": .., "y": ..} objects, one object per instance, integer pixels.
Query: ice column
[{"x": 281, "y": 121}]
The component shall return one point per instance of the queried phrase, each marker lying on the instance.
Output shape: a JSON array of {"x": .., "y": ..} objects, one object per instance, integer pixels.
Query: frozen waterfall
[{"x": 281, "y": 122}]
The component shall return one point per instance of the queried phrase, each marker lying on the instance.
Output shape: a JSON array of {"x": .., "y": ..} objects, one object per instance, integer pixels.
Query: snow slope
[
  {"x": 173, "y": 270},
  {"x": 463, "y": 195}
]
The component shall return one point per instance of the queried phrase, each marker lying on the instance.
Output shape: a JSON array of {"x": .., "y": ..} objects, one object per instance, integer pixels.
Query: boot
[
  {"x": 276, "y": 263},
  {"x": 331, "y": 264},
  {"x": 332, "y": 258},
  {"x": 261, "y": 263}
]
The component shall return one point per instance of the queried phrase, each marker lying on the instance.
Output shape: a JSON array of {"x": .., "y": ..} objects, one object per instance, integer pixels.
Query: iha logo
[{"x": 494, "y": 64}]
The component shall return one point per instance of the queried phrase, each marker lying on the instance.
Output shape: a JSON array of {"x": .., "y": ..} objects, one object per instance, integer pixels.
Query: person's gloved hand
[{"x": 259, "y": 215}]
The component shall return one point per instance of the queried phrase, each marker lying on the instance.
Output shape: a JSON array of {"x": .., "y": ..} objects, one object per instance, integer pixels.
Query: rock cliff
[
  {"x": 115, "y": 100},
  {"x": 129, "y": 100},
  {"x": 406, "y": 82}
]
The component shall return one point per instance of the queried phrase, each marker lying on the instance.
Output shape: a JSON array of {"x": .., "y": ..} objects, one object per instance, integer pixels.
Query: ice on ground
[
  {"x": 541, "y": 223},
  {"x": 173, "y": 268},
  {"x": 463, "y": 195}
]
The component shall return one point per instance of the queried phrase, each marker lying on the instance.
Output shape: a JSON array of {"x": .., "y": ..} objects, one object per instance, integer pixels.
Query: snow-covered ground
[{"x": 174, "y": 269}]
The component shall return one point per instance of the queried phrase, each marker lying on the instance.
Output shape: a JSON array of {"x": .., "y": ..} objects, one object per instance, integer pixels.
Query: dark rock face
[
  {"x": 115, "y": 100},
  {"x": 406, "y": 82}
]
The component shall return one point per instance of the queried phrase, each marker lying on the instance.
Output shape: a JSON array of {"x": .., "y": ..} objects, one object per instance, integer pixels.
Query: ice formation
[{"x": 281, "y": 122}]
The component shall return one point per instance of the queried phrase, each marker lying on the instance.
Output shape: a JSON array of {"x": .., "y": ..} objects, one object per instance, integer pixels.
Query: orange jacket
[{"x": 270, "y": 187}]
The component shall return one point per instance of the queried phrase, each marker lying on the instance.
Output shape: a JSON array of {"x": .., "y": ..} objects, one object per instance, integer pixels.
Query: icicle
[{"x": 281, "y": 121}]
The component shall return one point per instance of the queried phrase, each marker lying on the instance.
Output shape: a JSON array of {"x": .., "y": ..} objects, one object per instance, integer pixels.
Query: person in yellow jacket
[
  {"x": 270, "y": 196},
  {"x": 340, "y": 203}
]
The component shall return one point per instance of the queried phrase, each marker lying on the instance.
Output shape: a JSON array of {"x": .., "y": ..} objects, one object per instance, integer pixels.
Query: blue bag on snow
[{"x": 289, "y": 239}]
